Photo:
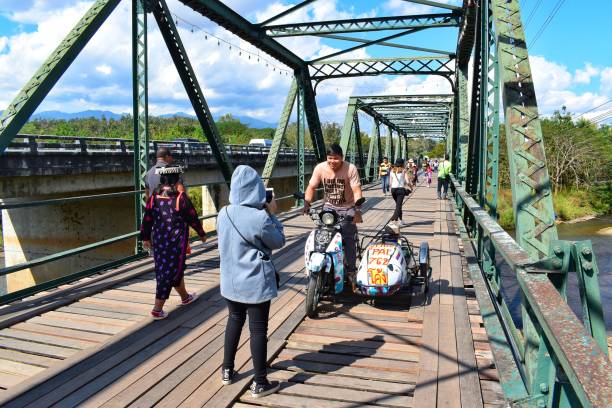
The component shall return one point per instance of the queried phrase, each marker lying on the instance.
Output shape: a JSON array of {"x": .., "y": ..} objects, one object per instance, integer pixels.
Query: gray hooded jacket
[{"x": 247, "y": 273}]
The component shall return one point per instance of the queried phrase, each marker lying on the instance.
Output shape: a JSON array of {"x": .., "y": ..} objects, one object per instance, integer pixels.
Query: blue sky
[{"x": 571, "y": 60}]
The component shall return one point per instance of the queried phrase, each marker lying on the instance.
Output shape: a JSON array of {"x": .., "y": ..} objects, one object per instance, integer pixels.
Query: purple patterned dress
[{"x": 166, "y": 224}]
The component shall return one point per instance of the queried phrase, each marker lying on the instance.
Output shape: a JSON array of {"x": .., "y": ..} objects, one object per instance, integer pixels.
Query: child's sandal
[{"x": 158, "y": 314}]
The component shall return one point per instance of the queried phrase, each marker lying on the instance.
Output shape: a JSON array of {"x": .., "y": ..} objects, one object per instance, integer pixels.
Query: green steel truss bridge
[{"x": 554, "y": 359}]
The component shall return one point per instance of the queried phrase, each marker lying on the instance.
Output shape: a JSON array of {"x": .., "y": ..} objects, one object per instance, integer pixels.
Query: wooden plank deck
[{"x": 98, "y": 347}]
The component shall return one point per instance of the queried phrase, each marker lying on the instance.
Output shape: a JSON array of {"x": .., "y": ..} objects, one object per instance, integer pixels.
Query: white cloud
[
  {"x": 583, "y": 76},
  {"x": 605, "y": 81},
  {"x": 104, "y": 69},
  {"x": 554, "y": 85}
]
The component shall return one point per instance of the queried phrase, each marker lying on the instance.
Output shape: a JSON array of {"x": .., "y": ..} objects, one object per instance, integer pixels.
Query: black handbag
[{"x": 264, "y": 257}]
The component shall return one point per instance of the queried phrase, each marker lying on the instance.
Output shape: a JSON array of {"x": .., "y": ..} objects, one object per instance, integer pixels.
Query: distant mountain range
[{"x": 99, "y": 114}]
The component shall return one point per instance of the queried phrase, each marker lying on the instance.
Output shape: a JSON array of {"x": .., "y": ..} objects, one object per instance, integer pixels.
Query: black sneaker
[
  {"x": 261, "y": 390},
  {"x": 227, "y": 376}
]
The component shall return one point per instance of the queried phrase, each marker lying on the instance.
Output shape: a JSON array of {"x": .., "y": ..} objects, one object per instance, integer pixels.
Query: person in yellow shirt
[
  {"x": 383, "y": 173},
  {"x": 444, "y": 170}
]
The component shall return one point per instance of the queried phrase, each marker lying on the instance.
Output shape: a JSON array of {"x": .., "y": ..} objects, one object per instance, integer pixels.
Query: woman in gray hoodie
[{"x": 248, "y": 232}]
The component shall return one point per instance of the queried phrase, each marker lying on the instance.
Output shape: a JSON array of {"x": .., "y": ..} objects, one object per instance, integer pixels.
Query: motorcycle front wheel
[{"x": 313, "y": 293}]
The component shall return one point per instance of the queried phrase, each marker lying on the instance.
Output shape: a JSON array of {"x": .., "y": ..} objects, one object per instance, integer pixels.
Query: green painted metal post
[
  {"x": 587, "y": 271},
  {"x": 389, "y": 144},
  {"x": 279, "y": 134},
  {"x": 531, "y": 189},
  {"x": 370, "y": 159},
  {"x": 140, "y": 107},
  {"x": 192, "y": 87},
  {"x": 347, "y": 128},
  {"x": 301, "y": 134},
  {"x": 31, "y": 95},
  {"x": 464, "y": 124},
  {"x": 358, "y": 148},
  {"x": 311, "y": 112}
]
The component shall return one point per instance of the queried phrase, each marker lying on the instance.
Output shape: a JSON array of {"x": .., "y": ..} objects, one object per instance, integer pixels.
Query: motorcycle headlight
[{"x": 328, "y": 219}]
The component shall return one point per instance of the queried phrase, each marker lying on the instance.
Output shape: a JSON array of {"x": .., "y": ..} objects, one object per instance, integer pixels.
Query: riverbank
[{"x": 571, "y": 206}]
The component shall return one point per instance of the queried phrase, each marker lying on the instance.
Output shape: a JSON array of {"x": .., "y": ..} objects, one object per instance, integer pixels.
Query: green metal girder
[
  {"x": 492, "y": 164},
  {"x": 475, "y": 139},
  {"x": 286, "y": 12},
  {"x": 365, "y": 24},
  {"x": 301, "y": 135},
  {"x": 432, "y": 65},
  {"x": 312, "y": 114},
  {"x": 464, "y": 124},
  {"x": 436, "y": 4},
  {"x": 465, "y": 43},
  {"x": 360, "y": 163},
  {"x": 387, "y": 44},
  {"x": 366, "y": 43},
  {"x": 370, "y": 159},
  {"x": 389, "y": 144},
  {"x": 279, "y": 134},
  {"x": 585, "y": 265},
  {"x": 347, "y": 127},
  {"x": 438, "y": 98},
  {"x": 140, "y": 108},
  {"x": 192, "y": 87},
  {"x": 31, "y": 95},
  {"x": 531, "y": 189}
]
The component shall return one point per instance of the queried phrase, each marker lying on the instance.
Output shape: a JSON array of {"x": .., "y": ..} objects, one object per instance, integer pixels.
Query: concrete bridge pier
[
  {"x": 34, "y": 232},
  {"x": 217, "y": 196}
]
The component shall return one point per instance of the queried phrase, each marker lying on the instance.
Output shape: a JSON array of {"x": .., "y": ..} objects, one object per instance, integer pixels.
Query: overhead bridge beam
[
  {"x": 365, "y": 24},
  {"x": 377, "y": 66}
]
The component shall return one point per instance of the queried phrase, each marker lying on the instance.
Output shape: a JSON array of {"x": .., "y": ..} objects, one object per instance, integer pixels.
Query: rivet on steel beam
[
  {"x": 586, "y": 251},
  {"x": 544, "y": 388},
  {"x": 558, "y": 250},
  {"x": 587, "y": 265},
  {"x": 556, "y": 263}
]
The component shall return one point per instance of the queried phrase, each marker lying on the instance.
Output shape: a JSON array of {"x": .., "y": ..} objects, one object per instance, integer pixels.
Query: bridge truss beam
[
  {"x": 364, "y": 24},
  {"x": 32, "y": 94},
  {"x": 192, "y": 87},
  {"x": 379, "y": 66}
]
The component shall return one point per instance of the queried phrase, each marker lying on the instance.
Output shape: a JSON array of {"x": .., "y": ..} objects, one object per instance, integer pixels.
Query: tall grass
[{"x": 569, "y": 204}]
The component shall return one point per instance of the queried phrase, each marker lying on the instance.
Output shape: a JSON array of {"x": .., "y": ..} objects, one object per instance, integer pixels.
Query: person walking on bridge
[
  {"x": 383, "y": 172},
  {"x": 444, "y": 169},
  {"x": 248, "y": 232},
  {"x": 152, "y": 179},
  {"x": 400, "y": 188},
  {"x": 165, "y": 228}
]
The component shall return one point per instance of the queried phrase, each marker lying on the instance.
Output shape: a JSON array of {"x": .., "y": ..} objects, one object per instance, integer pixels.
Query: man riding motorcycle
[{"x": 342, "y": 188}]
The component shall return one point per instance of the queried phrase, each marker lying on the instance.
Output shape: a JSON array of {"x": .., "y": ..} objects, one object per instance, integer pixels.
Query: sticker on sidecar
[{"x": 382, "y": 267}]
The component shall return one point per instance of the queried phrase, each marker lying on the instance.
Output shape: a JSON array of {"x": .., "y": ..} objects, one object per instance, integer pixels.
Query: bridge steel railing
[
  {"x": 71, "y": 277},
  {"x": 581, "y": 361},
  {"x": 40, "y": 144}
]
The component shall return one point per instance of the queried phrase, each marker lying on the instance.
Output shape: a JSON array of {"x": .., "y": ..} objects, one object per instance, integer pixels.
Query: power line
[
  {"x": 592, "y": 109},
  {"x": 547, "y": 21},
  {"x": 602, "y": 116},
  {"x": 535, "y": 8}
]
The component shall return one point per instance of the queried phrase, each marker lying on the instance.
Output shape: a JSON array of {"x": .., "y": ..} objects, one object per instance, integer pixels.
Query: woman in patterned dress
[{"x": 165, "y": 228}]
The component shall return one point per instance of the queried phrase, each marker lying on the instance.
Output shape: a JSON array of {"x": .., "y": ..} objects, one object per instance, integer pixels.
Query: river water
[{"x": 599, "y": 231}]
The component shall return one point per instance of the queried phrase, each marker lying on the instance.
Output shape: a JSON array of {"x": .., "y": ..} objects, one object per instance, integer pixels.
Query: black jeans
[
  {"x": 258, "y": 326},
  {"x": 398, "y": 195},
  {"x": 442, "y": 184}
]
